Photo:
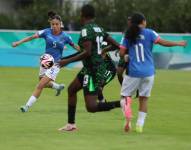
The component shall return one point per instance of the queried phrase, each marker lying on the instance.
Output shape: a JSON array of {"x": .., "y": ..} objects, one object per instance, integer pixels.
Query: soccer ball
[{"x": 46, "y": 61}]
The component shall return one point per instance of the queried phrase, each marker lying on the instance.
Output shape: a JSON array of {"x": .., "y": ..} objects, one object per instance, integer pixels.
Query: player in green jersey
[{"x": 94, "y": 70}]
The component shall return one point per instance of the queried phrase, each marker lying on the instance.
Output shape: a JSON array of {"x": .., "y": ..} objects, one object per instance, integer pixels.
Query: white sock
[
  {"x": 141, "y": 118},
  {"x": 55, "y": 85},
  {"x": 31, "y": 101}
]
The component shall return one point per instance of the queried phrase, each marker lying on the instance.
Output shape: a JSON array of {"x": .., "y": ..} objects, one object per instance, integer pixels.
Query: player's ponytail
[{"x": 134, "y": 30}]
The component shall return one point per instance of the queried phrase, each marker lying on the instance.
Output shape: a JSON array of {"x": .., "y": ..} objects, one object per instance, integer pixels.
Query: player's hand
[
  {"x": 103, "y": 54},
  {"x": 15, "y": 44},
  {"x": 183, "y": 43}
]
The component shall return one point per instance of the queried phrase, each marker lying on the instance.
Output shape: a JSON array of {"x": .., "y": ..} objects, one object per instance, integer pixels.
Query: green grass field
[{"x": 168, "y": 126}]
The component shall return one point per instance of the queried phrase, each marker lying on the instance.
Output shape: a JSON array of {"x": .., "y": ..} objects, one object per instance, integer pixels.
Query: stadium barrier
[{"x": 27, "y": 54}]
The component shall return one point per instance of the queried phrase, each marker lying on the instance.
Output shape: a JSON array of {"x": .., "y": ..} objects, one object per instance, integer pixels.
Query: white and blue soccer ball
[{"x": 46, "y": 61}]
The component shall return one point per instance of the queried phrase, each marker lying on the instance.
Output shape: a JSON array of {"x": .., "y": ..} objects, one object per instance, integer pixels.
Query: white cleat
[
  {"x": 24, "y": 108},
  {"x": 58, "y": 91}
]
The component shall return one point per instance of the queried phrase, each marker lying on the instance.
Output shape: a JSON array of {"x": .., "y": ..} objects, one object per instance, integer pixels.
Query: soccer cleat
[
  {"x": 58, "y": 91},
  {"x": 139, "y": 129},
  {"x": 68, "y": 127},
  {"x": 24, "y": 108},
  {"x": 126, "y": 109}
]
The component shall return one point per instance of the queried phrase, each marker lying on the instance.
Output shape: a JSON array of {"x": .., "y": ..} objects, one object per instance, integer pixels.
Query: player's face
[
  {"x": 144, "y": 23},
  {"x": 55, "y": 25}
]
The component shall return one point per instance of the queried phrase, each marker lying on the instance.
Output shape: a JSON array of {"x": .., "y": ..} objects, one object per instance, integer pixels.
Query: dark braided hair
[
  {"x": 133, "y": 31},
  {"x": 53, "y": 15}
]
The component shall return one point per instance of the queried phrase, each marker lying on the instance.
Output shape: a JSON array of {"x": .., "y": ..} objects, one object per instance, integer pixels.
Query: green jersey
[{"x": 92, "y": 32}]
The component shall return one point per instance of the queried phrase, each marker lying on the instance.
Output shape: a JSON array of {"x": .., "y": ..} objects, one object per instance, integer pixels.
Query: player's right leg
[
  {"x": 73, "y": 88},
  {"x": 52, "y": 73},
  {"x": 129, "y": 86}
]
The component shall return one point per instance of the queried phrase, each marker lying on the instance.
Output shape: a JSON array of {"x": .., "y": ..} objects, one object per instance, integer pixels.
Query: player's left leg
[
  {"x": 129, "y": 86},
  {"x": 92, "y": 105},
  {"x": 36, "y": 94},
  {"x": 144, "y": 92}
]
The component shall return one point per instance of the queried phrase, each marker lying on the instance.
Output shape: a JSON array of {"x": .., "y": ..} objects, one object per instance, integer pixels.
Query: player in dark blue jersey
[
  {"x": 138, "y": 42},
  {"x": 55, "y": 40}
]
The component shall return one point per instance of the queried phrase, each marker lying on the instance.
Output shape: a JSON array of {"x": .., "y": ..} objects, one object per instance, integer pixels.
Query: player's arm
[
  {"x": 69, "y": 56},
  {"x": 112, "y": 45},
  {"x": 76, "y": 47},
  {"x": 123, "y": 53},
  {"x": 87, "y": 45},
  {"x": 71, "y": 43},
  {"x": 170, "y": 43},
  {"x": 29, "y": 38}
]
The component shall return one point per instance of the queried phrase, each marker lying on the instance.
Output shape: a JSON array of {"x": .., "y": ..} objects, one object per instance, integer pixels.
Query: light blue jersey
[
  {"x": 55, "y": 43},
  {"x": 140, "y": 54}
]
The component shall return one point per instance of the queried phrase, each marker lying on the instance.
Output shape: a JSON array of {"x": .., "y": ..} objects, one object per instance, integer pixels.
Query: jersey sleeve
[
  {"x": 154, "y": 36},
  {"x": 41, "y": 33},
  {"x": 69, "y": 40},
  {"x": 86, "y": 34},
  {"x": 124, "y": 43}
]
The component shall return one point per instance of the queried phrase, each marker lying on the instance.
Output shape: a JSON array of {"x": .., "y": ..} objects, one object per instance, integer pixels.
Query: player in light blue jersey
[
  {"x": 55, "y": 40},
  {"x": 138, "y": 42}
]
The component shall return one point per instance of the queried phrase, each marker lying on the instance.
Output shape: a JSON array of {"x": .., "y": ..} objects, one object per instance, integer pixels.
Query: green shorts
[
  {"x": 111, "y": 72},
  {"x": 92, "y": 80}
]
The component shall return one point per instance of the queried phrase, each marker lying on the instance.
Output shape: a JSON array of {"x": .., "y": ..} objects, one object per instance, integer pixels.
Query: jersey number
[
  {"x": 139, "y": 50},
  {"x": 54, "y": 44},
  {"x": 99, "y": 40}
]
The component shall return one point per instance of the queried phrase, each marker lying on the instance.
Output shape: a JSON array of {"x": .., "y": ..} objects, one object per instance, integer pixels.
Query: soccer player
[
  {"x": 93, "y": 73},
  {"x": 138, "y": 41},
  {"x": 55, "y": 40}
]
